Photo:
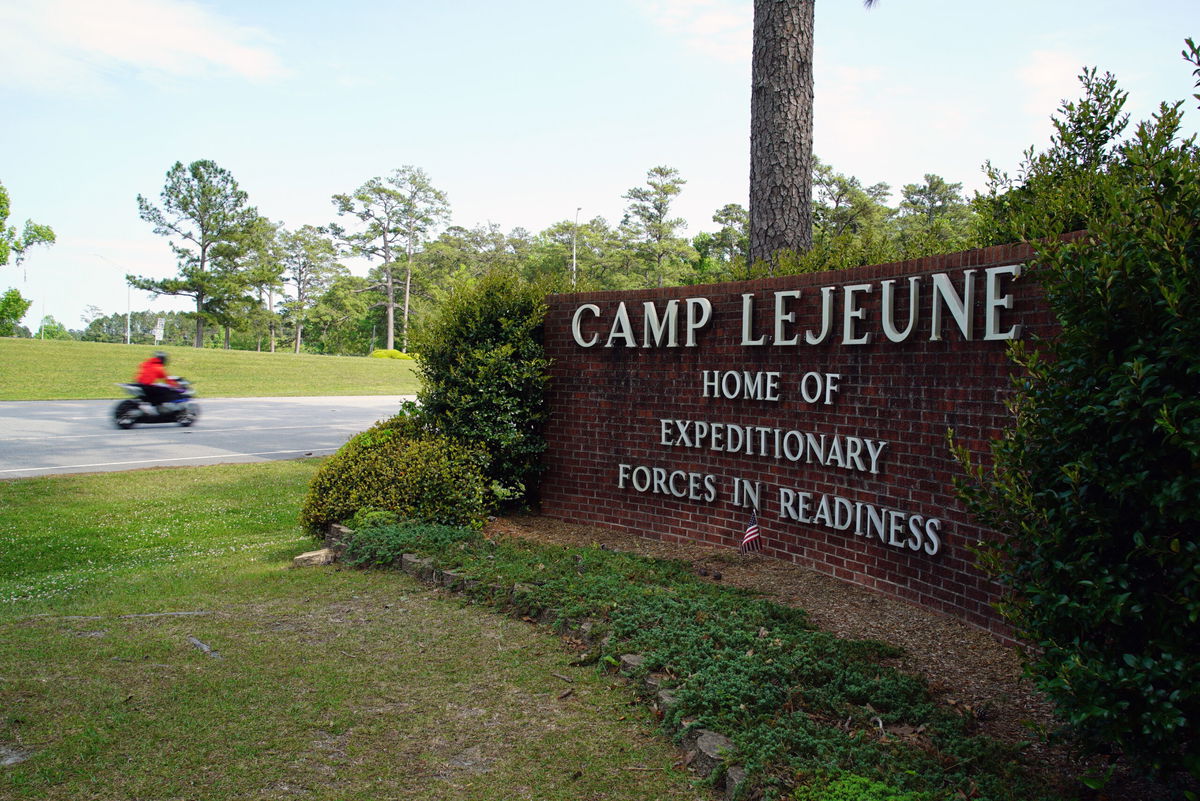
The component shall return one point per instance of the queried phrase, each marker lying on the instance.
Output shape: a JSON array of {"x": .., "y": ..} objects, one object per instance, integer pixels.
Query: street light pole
[
  {"x": 574, "y": 235},
  {"x": 128, "y": 301}
]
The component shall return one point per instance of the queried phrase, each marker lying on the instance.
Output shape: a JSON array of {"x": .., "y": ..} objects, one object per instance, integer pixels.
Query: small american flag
[{"x": 751, "y": 540}]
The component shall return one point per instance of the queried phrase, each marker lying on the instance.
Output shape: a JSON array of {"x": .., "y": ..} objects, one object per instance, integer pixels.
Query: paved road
[{"x": 42, "y": 437}]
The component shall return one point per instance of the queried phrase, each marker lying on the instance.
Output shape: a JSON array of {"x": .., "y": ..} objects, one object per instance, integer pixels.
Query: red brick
[{"x": 606, "y": 404}]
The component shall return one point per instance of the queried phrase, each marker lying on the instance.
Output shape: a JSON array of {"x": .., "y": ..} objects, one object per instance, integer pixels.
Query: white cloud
[
  {"x": 864, "y": 126},
  {"x": 1049, "y": 77},
  {"x": 77, "y": 45},
  {"x": 722, "y": 29}
]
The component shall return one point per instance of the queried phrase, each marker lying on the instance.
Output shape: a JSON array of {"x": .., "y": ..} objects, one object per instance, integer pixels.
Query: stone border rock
[{"x": 707, "y": 751}]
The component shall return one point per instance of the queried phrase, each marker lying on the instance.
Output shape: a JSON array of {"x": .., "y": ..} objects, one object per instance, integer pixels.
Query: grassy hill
[{"x": 32, "y": 369}]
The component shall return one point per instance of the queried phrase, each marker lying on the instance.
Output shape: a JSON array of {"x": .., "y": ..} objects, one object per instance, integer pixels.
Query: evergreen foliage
[
  {"x": 1056, "y": 191},
  {"x": 855, "y": 788},
  {"x": 264, "y": 285},
  {"x": 651, "y": 230},
  {"x": 206, "y": 214},
  {"x": 343, "y": 320},
  {"x": 484, "y": 374},
  {"x": 398, "y": 466},
  {"x": 1096, "y": 486},
  {"x": 395, "y": 215},
  {"x": 142, "y": 324}
]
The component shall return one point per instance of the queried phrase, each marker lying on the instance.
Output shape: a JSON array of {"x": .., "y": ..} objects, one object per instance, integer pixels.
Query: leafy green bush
[
  {"x": 1057, "y": 191},
  {"x": 484, "y": 374},
  {"x": 397, "y": 466},
  {"x": 384, "y": 353},
  {"x": 1097, "y": 487},
  {"x": 12, "y": 309},
  {"x": 795, "y": 701}
]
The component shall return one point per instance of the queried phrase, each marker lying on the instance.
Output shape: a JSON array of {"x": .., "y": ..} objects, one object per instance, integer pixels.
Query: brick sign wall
[{"x": 821, "y": 400}]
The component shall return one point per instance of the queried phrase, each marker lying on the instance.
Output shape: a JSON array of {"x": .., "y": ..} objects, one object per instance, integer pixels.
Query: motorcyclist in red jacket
[{"x": 158, "y": 387}]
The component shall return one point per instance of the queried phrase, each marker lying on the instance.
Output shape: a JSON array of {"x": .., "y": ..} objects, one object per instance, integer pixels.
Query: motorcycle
[{"x": 183, "y": 410}]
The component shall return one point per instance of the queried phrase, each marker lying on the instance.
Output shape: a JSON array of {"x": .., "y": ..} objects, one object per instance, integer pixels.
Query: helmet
[{"x": 161, "y": 355}]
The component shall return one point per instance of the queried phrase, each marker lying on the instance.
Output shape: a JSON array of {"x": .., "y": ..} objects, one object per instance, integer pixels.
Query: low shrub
[
  {"x": 400, "y": 467},
  {"x": 385, "y": 353}
]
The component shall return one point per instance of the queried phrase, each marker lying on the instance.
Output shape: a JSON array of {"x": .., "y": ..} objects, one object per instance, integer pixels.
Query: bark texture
[{"x": 781, "y": 128}]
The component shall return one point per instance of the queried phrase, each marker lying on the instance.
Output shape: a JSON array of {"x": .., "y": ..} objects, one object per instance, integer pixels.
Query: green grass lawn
[
  {"x": 32, "y": 369},
  {"x": 329, "y": 684}
]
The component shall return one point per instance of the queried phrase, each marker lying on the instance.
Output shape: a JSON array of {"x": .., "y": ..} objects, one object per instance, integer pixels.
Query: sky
[{"x": 521, "y": 111}]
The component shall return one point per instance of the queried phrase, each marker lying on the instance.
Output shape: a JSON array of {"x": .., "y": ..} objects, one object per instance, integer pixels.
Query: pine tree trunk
[
  {"x": 271, "y": 323},
  {"x": 198, "y": 342},
  {"x": 407, "y": 296},
  {"x": 781, "y": 128},
  {"x": 391, "y": 310},
  {"x": 407, "y": 290}
]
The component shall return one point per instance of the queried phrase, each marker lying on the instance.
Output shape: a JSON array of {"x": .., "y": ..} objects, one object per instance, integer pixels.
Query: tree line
[
  {"x": 14, "y": 249},
  {"x": 255, "y": 284},
  {"x": 258, "y": 285}
]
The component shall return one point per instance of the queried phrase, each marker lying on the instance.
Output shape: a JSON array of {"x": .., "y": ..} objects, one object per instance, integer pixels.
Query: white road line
[
  {"x": 207, "y": 429},
  {"x": 162, "y": 461}
]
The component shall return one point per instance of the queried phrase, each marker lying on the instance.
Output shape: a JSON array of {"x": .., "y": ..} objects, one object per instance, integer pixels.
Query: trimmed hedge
[
  {"x": 484, "y": 373},
  {"x": 384, "y": 353},
  {"x": 399, "y": 467}
]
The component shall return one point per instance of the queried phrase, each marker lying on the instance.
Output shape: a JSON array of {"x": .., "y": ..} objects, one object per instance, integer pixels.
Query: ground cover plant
[
  {"x": 33, "y": 369},
  {"x": 317, "y": 684},
  {"x": 808, "y": 713}
]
